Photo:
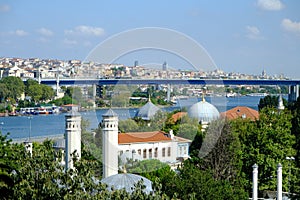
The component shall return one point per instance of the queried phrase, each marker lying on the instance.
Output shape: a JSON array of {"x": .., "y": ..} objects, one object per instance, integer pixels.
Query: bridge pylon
[{"x": 293, "y": 93}]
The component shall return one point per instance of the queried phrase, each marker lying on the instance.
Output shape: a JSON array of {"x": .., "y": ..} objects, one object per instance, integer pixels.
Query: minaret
[
  {"x": 280, "y": 103},
  {"x": 110, "y": 143},
  {"x": 72, "y": 137}
]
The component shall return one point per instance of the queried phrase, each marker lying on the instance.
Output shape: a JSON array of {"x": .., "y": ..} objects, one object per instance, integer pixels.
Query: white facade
[
  {"x": 72, "y": 138},
  {"x": 169, "y": 151},
  {"x": 110, "y": 143}
]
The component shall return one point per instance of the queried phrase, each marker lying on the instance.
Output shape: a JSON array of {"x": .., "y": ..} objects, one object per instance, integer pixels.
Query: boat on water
[
  {"x": 257, "y": 94},
  {"x": 42, "y": 110}
]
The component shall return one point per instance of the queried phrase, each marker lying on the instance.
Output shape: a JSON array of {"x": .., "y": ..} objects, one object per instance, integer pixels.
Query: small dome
[
  {"x": 127, "y": 182},
  {"x": 203, "y": 111},
  {"x": 147, "y": 111}
]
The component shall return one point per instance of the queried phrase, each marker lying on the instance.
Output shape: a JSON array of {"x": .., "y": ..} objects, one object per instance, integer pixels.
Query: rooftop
[
  {"x": 141, "y": 137},
  {"x": 241, "y": 112}
]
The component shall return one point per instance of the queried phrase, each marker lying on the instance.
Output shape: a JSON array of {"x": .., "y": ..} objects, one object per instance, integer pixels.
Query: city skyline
[{"x": 246, "y": 37}]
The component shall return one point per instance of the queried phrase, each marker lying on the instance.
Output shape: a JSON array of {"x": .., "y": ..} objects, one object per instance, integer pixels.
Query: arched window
[
  {"x": 163, "y": 152},
  {"x": 150, "y": 153},
  {"x": 145, "y": 153}
]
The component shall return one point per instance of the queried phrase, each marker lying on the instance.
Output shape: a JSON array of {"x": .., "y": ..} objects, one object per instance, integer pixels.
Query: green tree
[
  {"x": 295, "y": 109},
  {"x": 48, "y": 93},
  {"x": 35, "y": 92},
  {"x": 223, "y": 155},
  {"x": 38, "y": 92},
  {"x": 194, "y": 183},
  {"x": 270, "y": 101},
  {"x": 4, "y": 92},
  {"x": 266, "y": 142},
  {"x": 14, "y": 86},
  {"x": 128, "y": 125}
]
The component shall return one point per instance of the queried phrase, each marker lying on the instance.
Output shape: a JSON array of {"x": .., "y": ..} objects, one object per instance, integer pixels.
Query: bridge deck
[{"x": 170, "y": 81}]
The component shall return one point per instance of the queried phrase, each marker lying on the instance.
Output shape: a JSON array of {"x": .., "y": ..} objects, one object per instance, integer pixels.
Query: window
[
  {"x": 185, "y": 150},
  {"x": 145, "y": 153},
  {"x": 163, "y": 152},
  {"x": 139, "y": 152},
  {"x": 121, "y": 152},
  {"x": 180, "y": 150},
  {"x": 155, "y": 152},
  {"x": 169, "y": 151},
  {"x": 150, "y": 153}
]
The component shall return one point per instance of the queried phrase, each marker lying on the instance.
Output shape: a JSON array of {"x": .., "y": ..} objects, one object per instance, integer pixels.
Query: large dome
[
  {"x": 203, "y": 111},
  {"x": 127, "y": 182},
  {"x": 147, "y": 111}
]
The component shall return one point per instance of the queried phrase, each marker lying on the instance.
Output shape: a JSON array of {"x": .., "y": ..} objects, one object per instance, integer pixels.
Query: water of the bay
[{"x": 44, "y": 125}]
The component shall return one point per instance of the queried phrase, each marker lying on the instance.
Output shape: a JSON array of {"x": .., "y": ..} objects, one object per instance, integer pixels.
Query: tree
[
  {"x": 194, "y": 183},
  {"x": 266, "y": 142},
  {"x": 128, "y": 125},
  {"x": 35, "y": 92},
  {"x": 223, "y": 155},
  {"x": 6, "y": 167},
  {"x": 14, "y": 85},
  {"x": 270, "y": 101},
  {"x": 38, "y": 92},
  {"x": 295, "y": 109},
  {"x": 48, "y": 93},
  {"x": 4, "y": 92}
]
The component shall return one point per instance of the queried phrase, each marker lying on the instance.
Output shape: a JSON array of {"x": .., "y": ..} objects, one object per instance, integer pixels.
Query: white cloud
[
  {"x": 69, "y": 42},
  {"x": 253, "y": 33},
  {"x": 270, "y": 4},
  {"x": 291, "y": 26},
  {"x": 4, "y": 8},
  {"x": 45, "y": 32},
  {"x": 86, "y": 31},
  {"x": 19, "y": 33}
]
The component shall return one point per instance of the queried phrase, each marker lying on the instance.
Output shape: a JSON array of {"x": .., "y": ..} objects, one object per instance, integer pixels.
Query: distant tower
[
  {"x": 72, "y": 137},
  {"x": 136, "y": 63},
  {"x": 264, "y": 74},
  {"x": 110, "y": 143},
  {"x": 280, "y": 103},
  {"x": 165, "y": 66}
]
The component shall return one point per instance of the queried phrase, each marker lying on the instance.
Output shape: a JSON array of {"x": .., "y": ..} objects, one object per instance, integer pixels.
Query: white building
[
  {"x": 147, "y": 145},
  {"x": 154, "y": 145}
]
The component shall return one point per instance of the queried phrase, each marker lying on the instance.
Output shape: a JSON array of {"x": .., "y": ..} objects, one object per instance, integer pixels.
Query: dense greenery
[
  {"x": 220, "y": 166},
  {"x": 12, "y": 88},
  {"x": 270, "y": 101}
]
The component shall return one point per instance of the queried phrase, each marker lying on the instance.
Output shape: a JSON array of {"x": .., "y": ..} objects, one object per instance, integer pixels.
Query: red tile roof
[
  {"x": 241, "y": 112},
  {"x": 137, "y": 137}
]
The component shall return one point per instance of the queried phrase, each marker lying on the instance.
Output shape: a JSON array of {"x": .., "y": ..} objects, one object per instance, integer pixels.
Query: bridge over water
[
  {"x": 293, "y": 84},
  {"x": 171, "y": 81}
]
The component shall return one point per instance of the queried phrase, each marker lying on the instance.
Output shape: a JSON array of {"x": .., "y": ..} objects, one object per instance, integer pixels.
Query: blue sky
[{"x": 241, "y": 36}]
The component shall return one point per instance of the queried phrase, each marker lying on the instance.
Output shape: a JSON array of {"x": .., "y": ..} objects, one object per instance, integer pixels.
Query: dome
[
  {"x": 127, "y": 181},
  {"x": 147, "y": 111},
  {"x": 203, "y": 111}
]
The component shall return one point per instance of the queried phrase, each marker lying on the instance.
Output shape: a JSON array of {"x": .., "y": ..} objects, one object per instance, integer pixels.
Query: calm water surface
[{"x": 37, "y": 125}]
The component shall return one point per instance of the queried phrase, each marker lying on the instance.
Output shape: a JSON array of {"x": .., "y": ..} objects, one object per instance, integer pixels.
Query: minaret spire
[
  {"x": 110, "y": 143},
  {"x": 280, "y": 103}
]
